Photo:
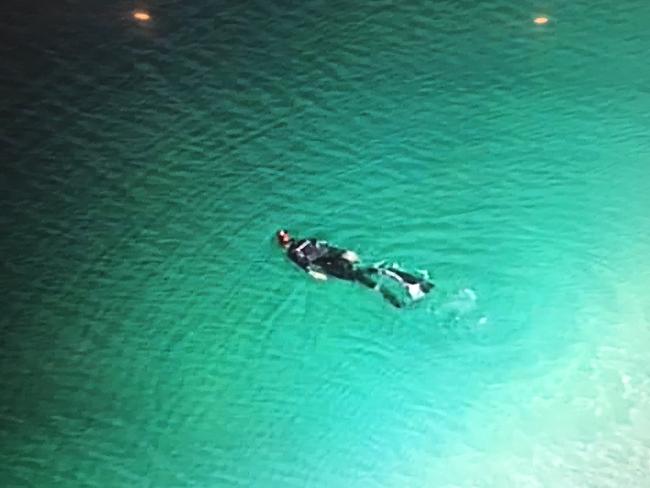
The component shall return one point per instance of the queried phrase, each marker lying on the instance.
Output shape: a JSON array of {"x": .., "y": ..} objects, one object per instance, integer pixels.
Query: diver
[{"x": 320, "y": 260}]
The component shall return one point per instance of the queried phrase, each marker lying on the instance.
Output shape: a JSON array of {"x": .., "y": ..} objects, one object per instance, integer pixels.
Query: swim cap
[{"x": 283, "y": 237}]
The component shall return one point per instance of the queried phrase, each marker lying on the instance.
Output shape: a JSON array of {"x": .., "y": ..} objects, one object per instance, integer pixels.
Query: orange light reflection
[{"x": 141, "y": 16}]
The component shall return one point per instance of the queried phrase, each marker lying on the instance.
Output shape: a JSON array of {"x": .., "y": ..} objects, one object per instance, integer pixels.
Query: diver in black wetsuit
[{"x": 320, "y": 259}]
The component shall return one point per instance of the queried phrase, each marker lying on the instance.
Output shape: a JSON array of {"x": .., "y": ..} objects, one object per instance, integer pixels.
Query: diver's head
[{"x": 283, "y": 237}]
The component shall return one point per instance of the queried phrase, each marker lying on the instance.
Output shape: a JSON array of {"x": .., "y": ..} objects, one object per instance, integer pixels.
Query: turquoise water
[{"x": 153, "y": 335}]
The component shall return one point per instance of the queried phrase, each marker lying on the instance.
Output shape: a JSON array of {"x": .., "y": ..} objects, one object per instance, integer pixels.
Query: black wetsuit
[{"x": 312, "y": 254}]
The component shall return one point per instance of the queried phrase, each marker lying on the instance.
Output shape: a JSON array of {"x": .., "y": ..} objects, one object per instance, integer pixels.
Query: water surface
[{"x": 153, "y": 335}]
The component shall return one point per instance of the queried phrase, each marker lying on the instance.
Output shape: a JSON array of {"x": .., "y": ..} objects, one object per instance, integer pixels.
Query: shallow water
[{"x": 153, "y": 335}]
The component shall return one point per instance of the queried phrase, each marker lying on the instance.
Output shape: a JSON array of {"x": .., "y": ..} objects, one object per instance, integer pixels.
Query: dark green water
[{"x": 152, "y": 334}]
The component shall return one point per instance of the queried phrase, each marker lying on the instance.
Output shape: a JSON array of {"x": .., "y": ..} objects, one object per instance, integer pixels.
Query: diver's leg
[
  {"x": 337, "y": 266},
  {"x": 410, "y": 279},
  {"x": 406, "y": 277},
  {"x": 426, "y": 286},
  {"x": 392, "y": 299},
  {"x": 415, "y": 286},
  {"x": 364, "y": 276}
]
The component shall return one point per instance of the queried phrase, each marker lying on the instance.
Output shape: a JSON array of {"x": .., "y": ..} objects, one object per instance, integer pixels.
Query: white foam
[{"x": 469, "y": 293}]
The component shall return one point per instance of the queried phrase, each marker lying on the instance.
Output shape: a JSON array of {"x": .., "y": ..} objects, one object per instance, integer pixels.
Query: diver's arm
[
  {"x": 306, "y": 267},
  {"x": 346, "y": 254},
  {"x": 313, "y": 273},
  {"x": 317, "y": 274}
]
